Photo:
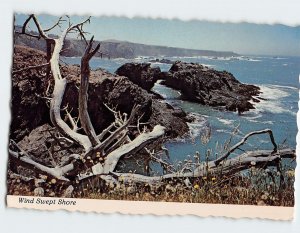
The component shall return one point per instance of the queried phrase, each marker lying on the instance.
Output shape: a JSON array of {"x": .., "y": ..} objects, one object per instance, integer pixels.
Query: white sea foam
[
  {"x": 239, "y": 58},
  {"x": 220, "y": 58},
  {"x": 271, "y": 92},
  {"x": 272, "y": 100},
  {"x": 208, "y": 65},
  {"x": 196, "y": 127},
  {"x": 163, "y": 95},
  {"x": 225, "y": 121},
  {"x": 287, "y": 87},
  {"x": 224, "y": 131},
  {"x": 262, "y": 122},
  {"x": 253, "y": 59},
  {"x": 157, "y": 63},
  {"x": 264, "y": 141},
  {"x": 252, "y": 117},
  {"x": 279, "y": 58}
]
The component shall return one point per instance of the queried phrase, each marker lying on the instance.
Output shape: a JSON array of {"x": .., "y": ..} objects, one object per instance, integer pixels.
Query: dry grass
[{"x": 256, "y": 187}]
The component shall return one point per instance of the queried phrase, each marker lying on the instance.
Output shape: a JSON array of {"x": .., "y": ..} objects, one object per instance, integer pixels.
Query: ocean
[{"x": 278, "y": 79}]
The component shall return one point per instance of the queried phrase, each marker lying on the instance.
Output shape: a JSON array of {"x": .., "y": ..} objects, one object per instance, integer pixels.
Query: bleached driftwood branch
[
  {"x": 114, "y": 145},
  {"x": 242, "y": 142}
]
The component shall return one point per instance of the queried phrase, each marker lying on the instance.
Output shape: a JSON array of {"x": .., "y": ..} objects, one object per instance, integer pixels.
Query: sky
[{"x": 242, "y": 38}]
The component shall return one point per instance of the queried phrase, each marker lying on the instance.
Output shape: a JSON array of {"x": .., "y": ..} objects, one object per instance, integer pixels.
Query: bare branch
[
  {"x": 72, "y": 121},
  {"x": 111, "y": 137},
  {"x": 39, "y": 27},
  {"x": 83, "y": 94},
  {"x": 139, "y": 142},
  {"x": 30, "y": 163},
  {"x": 58, "y": 92},
  {"x": 105, "y": 131},
  {"x": 231, "y": 166},
  {"x": 29, "y": 68},
  {"x": 166, "y": 166},
  {"x": 118, "y": 143},
  {"x": 56, "y": 24},
  {"x": 237, "y": 145}
]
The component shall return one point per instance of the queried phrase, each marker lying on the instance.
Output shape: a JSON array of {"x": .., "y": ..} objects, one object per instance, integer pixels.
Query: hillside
[{"x": 118, "y": 49}]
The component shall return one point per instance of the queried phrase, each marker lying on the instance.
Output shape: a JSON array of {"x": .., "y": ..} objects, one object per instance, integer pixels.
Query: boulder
[
  {"x": 141, "y": 74},
  {"x": 207, "y": 86}
]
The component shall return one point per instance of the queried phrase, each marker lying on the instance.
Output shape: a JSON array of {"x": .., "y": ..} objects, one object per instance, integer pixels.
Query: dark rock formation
[
  {"x": 141, "y": 74},
  {"x": 210, "y": 87},
  {"x": 30, "y": 108}
]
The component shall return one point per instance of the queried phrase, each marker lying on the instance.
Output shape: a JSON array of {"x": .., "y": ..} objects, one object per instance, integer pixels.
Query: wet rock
[
  {"x": 164, "y": 114},
  {"x": 141, "y": 74},
  {"x": 210, "y": 87}
]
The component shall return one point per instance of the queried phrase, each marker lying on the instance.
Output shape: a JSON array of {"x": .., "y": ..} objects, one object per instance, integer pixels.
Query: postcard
[{"x": 111, "y": 114}]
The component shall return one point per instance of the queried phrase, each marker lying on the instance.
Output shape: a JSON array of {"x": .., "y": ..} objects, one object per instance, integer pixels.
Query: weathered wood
[
  {"x": 83, "y": 94},
  {"x": 57, "y": 96},
  {"x": 119, "y": 130},
  {"x": 14, "y": 72},
  {"x": 130, "y": 148},
  {"x": 231, "y": 166},
  {"x": 244, "y": 139}
]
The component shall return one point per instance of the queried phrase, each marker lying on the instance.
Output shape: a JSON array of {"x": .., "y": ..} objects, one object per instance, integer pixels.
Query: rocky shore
[
  {"x": 31, "y": 89},
  {"x": 197, "y": 83}
]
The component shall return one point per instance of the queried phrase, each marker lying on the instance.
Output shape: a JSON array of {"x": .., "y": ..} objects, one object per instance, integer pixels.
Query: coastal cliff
[{"x": 117, "y": 48}]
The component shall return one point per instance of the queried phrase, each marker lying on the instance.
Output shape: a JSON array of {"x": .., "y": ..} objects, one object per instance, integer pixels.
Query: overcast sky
[{"x": 242, "y": 38}]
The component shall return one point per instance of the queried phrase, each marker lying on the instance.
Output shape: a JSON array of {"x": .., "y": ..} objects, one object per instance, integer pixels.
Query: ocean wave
[
  {"x": 272, "y": 92},
  {"x": 279, "y": 58},
  {"x": 262, "y": 122},
  {"x": 252, "y": 116},
  {"x": 141, "y": 58},
  {"x": 264, "y": 141},
  {"x": 272, "y": 100},
  {"x": 241, "y": 58},
  {"x": 287, "y": 87},
  {"x": 253, "y": 59},
  {"x": 224, "y": 131},
  {"x": 225, "y": 121},
  {"x": 272, "y": 107},
  {"x": 197, "y": 125},
  {"x": 121, "y": 59},
  {"x": 207, "y": 65}
]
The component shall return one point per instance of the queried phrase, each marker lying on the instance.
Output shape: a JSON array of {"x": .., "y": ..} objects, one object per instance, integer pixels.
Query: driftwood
[
  {"x": 113, "y": 143},
  {"x": 90, "y": 142}
]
